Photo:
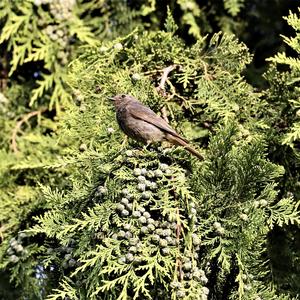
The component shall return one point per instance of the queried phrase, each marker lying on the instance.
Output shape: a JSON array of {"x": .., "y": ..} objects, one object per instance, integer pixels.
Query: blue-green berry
[
  {"x": 124, "y": 201},
  {"x": 150, "y": 174},
  {"x": 153, "y": 186},
  {"x": 196, "y": 240},
  {"x": 187, "y": 266},
  {"x": 158, "y": 173},
  {"x": 151, "y": 227},
  {"x": 141, "y": 187},
  {"x": 136, "y": 77},
  {"x": 141, "y": 209},
  {"x": 121, "y": 234},
  {"x": 132, "y": 249},
  {"x": 142, "y": 220},
  {"x": 120, "y": 207},
  {"x": 180, "y": 294},
  {"x": 129, "y": 257},
  {"x": 14, "y": 258},
  {"x": 144, "y": 230},
  {"x": 128, "y": 235},
  {"x": 163, "y": 243},
  {"x": 146, "y": 215},
  {"x": 127, "y": 226},
  {"x": 133, "y": 241},
  {"x": 176, "y": 285},
  {"x": 146, "y": 195},
  {"x": 118, "y": 46},
  {"x": 129, "y": 153},
  {"x": 19, "y": 248},
  {"x": 141, "y": 179},
  {"x": 125, "y": 192},
  {"x": 137, "y": 172},
  {"x": 122, "y": 260},
  {"x": 136, "y": 214},
  {"x": 72, "y": 263},
  {"x": 125, "y": 213},
  {"x": 163, "y": 167},
  {"x": 150, "y": 221}
]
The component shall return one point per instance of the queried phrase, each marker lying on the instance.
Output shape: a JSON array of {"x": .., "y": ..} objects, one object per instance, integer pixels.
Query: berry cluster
[
  {"x": 260, "y": 203},
  {"x": 60, "y": 36},
  {"x": 65, "y": 252},
  {"x": 41, "y": 2},
  {"x": 181, "y": 289},
  {"x": 60, "y": 9},
  {"x": 219, "y": 228},
  {"x": 16, "y": 249},
  {"x": 140, "y": 228}
]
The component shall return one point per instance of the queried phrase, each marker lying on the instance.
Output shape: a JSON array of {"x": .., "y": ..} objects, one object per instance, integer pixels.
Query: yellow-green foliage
[{"x": 89, "y": 214}]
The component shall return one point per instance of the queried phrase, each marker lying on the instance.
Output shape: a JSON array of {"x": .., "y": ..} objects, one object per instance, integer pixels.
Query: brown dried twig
[
  {"x": 4, "y": 71},
  {"x": 164, "y": 77},
  {"x": 17, "y": 128},
  {"x": 161, "y": 88}
]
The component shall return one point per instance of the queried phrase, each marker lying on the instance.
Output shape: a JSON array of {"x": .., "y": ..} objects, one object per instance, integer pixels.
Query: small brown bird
[{"x": 141, "y": 123}]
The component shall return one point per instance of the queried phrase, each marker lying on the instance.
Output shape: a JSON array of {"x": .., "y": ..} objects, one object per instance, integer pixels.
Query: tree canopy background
[{"x": 87, "y": 214}]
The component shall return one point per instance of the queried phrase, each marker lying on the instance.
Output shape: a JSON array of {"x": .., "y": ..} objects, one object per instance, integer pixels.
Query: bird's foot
[{"x": 147, "y": 146}]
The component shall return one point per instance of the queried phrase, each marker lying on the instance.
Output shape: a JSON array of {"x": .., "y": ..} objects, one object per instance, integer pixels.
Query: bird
[{"x": 141, "y": 123}]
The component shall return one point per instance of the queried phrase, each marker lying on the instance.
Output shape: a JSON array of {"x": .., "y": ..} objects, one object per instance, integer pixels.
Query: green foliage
[
  {"x": 88, "y": 214},
  {"x": 291, "y": 78},
  {"x": 35, "y": 35},
  {"x": 283, "y": 95},
  {"x": 234, "y": 6}
]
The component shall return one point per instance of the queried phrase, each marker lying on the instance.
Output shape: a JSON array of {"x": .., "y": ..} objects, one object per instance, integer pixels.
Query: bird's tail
[{"x": 178, "y": 141}]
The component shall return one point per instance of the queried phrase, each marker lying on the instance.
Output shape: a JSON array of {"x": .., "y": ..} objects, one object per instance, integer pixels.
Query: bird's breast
[{"x": 138, "y": 129}]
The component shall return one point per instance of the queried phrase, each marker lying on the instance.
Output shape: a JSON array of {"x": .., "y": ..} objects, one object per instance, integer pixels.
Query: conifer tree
[{"x": 88, "y": 214}]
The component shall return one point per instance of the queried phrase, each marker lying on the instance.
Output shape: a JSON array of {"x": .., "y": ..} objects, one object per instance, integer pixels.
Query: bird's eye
[{"x": 123, "y": 96}]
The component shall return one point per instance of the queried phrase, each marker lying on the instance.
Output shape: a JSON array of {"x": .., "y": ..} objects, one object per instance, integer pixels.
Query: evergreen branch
[
  {"x": 44, "y": 85},
  {"x": 12, "y": 26},
  {"x": 285, "y": 212},
  {"x": 65, "y": 291},
  {"x": 108, "y": 285},
  {"x": 234, "y": 6},
  {"x": 147, "y": 9},
  {"x": 281, "y": 58},
  {"x": 20, "y": 51},
  {"x": 164, "y": 77},
  {"x": 19, "y": 124},
  {"x": 293, "y": 135},
  {"x": 83, "y": 32}
]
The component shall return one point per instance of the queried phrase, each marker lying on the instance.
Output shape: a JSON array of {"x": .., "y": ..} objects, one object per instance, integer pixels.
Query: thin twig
[
  {"x": 2, "y": 229},
  {"x": 164, "y": 77},
  {"x": 161, "y": 88},
  {"x": 17, "y": 128},
  {"x": 150, "y": 72},
  {"x": 4, "y": 72},
  {"x": 207, "y": 76}
]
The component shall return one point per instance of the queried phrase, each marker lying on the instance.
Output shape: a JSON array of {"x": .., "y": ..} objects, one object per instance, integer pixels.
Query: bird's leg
[{"x": 145, "y": 147}]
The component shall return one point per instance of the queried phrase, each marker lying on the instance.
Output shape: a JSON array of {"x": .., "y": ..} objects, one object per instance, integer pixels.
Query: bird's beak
[{"x": 111, "y": 98}]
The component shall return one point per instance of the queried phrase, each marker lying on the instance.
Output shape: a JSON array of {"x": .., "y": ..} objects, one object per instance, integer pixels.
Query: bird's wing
[{"x": 139, "y": 111}]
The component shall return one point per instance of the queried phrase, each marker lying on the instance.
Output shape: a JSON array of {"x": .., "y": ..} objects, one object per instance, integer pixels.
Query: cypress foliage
[{"x": 89, "y": 214}]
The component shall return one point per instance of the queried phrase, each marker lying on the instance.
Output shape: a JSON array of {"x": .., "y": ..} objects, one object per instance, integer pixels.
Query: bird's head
[{"x": 121, "y": 99}]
